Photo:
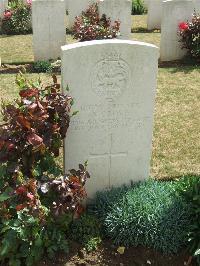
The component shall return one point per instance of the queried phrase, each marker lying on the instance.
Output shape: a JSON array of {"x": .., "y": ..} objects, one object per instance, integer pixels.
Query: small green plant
[
  {"x": 42, "y": 66},
  {"x": 17, "y": 18},
  {"x": 90, "y": 26},
  {"x": 87, "y": 231},
  {"x": 138, "y": 7},
  {"x": 189, "y": 188},
  {"x": 148, "y": 214}
]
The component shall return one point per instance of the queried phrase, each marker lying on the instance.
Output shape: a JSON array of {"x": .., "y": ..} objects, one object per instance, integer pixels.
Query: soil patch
[{"x": 107, "y": 255}]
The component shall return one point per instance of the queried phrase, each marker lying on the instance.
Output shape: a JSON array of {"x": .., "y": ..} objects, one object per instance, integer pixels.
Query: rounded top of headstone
[
  {"x": 176, "y": 1},
  {"x": 107, "y": 42}
]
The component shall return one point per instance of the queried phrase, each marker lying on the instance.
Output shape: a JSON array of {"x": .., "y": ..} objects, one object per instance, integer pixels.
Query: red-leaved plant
[
  {"x": 30, "y": 137},
  {"x": 37, "y": 201},
  {"x": 90, "y": 26},
  {"x": 190, "y": 36}
]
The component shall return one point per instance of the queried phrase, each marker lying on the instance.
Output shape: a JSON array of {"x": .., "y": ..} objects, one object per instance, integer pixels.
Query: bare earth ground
[
  {"x": 176, "y": 139},
  {"x": 107, "y": 255}
]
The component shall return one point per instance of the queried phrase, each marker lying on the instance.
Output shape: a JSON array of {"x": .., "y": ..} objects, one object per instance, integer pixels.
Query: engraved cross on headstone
[{"x": 110, "y": 155}]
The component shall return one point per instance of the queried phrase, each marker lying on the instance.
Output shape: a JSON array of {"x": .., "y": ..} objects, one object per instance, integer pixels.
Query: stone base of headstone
[
  {"x": 49, "y": 31},
  {"x": 174, "y": 12}
]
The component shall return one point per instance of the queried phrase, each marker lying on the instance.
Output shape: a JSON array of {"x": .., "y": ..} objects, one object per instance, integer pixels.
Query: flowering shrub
[
  {"x": 190, "y": 36},
  {"x": 90, "y": 26},
  {"x": 17, "y": 18},
  {"x": 37, "y": 202}
]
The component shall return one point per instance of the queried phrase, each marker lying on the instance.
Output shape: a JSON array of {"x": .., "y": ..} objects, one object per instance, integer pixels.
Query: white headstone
[
  {"x": 49, "y": 33},
  {"x": 3, "y": 5},
  {"x": 118, "y": 10},
  {"x": 154, "y": 14},
  {"x": 113, "y": 83},
  {"x": 178, "y": 11},
  {"x": 75, "y": 8},
  {"x": 66, "y": 4}
]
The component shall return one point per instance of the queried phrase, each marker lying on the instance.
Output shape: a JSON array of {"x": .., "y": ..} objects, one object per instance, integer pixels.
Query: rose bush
[
  {"x": 90, "y": 26},
  {"x": 17, "y": 18},
  {"x": 190, "y": 36}
]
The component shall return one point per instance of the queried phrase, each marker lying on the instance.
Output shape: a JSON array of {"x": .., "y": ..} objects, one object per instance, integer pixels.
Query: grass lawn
[{"x": 177, "y": 120}]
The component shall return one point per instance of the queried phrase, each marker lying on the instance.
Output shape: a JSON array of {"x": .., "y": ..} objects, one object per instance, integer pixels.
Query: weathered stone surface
[
  {"x": 154, "y": 14},
  {"x": 178, "y": 11},
  {"x": 118, "y": 10},
  {"x": 197, "y": 5},
  {"x": 3, "y": 5},
  {"x": 113, "y": 83},
  {"x": 49, "y": 34}
]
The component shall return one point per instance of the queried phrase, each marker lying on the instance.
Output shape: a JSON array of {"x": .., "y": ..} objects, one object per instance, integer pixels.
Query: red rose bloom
[
  {"x": 7, "y": 14},
  {"x": 183, "y": 26}
]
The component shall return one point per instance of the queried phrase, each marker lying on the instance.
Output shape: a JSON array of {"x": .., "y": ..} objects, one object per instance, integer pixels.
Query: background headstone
[
  {"x": 75, "y": 8},
  {"x": 49, "y": 32},
  {"x": 154, "y": 16},
  {"x": 118, "y": 10},
  {"x": 197, "y": 5},
  {"x": 174, "y": 12},
  {"x": 113, "y": 83},
  {"x": 3, "y": 5}
]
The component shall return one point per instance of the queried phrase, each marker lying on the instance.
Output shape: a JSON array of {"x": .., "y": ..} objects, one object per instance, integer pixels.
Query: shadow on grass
[
  {"x": 2, "y": 35},
  {"x": 177, "y": 177},
  {"x": 144, "y": 30},
  {"x": 180, "y": 66}
]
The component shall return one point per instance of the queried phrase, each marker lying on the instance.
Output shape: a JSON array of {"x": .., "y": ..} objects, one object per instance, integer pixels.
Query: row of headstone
[
  {"x": 48, "y": 22},
  {"x": 113, "y": 83},
  {"x": 173, "y": 13},
  {"x": 154, "y": 18}
]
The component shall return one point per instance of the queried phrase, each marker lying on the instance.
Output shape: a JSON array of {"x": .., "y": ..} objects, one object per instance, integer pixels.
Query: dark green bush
[
  {"x": 87, "y": 231},
  {"x": 42, "y": 66},
  {"x": 149, "y": 213},
  {"x": 138, "y": 7}
]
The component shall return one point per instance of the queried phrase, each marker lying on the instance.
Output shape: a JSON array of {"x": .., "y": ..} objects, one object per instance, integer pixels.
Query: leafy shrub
[
  {"x": 148, "y": 213},
  {"x": 86, "y": 231},
  {"x": 42, "y": 66},
  {"x": 189, "y": 188},
  {"x": 37, "y": 202},
  {"x": 190, "y": 36},
  {"x": 90, "y": 26},
  {"x": 138, "y": 7}
]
